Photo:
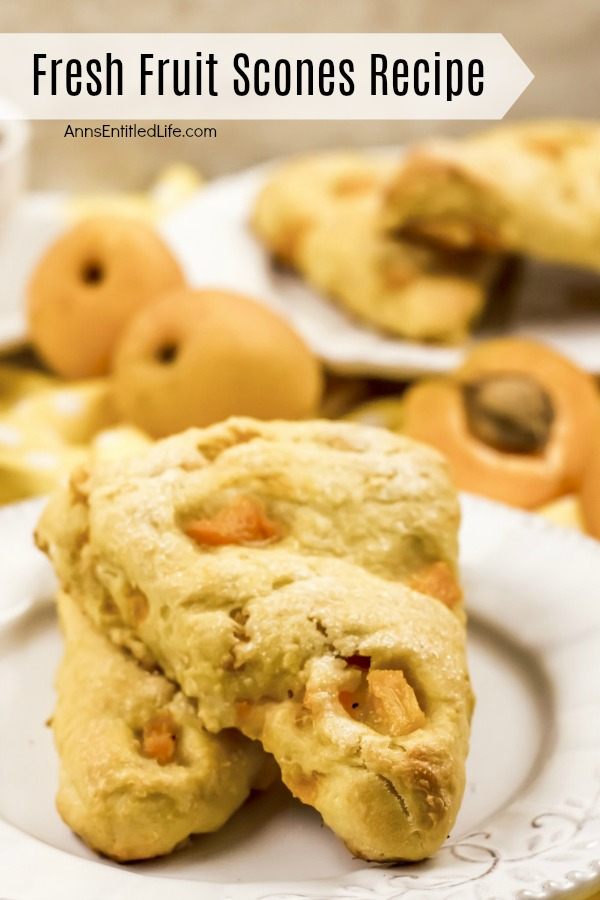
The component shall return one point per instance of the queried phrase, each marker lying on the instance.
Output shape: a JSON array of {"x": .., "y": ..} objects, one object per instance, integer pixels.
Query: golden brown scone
[
  {"x": 138, "y": 772},
  {"x": 321, "y": 215},
  {"x": 381, "y": 501},
  {"x": 88, "y": 285},
  {"x": 218, "y": 550},
  {"x": 532, "y": 188},
  {"x": 515, "y": 421},
  {"x": 198, "y": 356}
]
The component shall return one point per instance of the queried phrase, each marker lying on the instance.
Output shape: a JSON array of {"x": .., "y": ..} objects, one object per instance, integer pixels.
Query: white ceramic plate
[
  {"x": 210, "y": 235},
  {"x": 530, "y": 823}
]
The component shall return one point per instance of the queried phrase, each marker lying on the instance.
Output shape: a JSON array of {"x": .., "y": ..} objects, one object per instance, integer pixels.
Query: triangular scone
[
  {"x": 322, "y": 216},
  {"x": 138, "y": 772},
  {"x": 530, "y": 188},
  {"x": 265, "y": 567},
  {"x": 335, "y": 489}
]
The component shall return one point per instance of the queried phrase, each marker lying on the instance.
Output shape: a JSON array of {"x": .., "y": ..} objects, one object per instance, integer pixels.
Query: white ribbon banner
[{"x": 260, "y": 76}]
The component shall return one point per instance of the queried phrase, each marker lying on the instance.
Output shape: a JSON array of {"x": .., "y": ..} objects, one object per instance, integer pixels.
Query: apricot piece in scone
[
  {"x": 243, "y": 521},
  {"x": 385, "y": 702},
  {"x": 159, "y": 738}
]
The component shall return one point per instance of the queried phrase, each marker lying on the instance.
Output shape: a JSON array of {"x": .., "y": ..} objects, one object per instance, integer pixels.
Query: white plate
[
  {"x": 530, "y": 823},
  {"x": 210, "y": 235}
]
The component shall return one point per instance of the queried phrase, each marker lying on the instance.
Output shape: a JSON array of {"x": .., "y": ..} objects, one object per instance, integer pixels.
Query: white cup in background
[{"x": 14, "y": 141}]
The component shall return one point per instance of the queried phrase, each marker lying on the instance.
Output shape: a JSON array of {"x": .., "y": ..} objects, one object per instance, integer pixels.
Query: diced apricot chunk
[
  {"x": 159, "y": 738},
  {"x": 437, "y": 580},
  {"x": 385, "y": 702},
  {"x": 243, "y": 521}
]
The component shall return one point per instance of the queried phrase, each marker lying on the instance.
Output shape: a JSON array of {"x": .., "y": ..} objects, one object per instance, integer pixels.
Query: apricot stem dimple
[
  {"x": 92, "y": 273},
  {"x": 166, "y": 353}
]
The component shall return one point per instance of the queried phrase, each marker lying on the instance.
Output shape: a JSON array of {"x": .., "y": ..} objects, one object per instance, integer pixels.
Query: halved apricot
[{"x": 530, "y": 468}]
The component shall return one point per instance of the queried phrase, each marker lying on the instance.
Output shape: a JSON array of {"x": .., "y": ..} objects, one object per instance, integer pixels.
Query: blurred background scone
[{"x": 528, "y": 188}]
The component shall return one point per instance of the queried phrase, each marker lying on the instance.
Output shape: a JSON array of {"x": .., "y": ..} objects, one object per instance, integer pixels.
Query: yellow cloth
[{"x": 47, "y": 426}]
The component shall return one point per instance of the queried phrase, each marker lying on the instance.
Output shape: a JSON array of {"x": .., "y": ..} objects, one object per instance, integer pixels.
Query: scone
[
  {"x": 298, "y": 195},
  {"x": 265, "y": 568},
  {"x": 405, "y": 288},
  {"x": 138, "y": 772},
  {"x": 321, "y": 215},
  {"x": 531, "y": 188}
]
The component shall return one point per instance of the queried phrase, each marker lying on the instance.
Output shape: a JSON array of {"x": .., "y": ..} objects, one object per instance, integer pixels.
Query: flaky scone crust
[{"x": 262, "y": 637}]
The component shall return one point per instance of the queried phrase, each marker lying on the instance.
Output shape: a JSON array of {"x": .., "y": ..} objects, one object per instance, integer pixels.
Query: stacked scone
[{"x": 259, "y": 593}]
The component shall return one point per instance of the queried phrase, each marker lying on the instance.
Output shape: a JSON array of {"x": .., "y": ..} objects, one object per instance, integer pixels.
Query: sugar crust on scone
[{"x": 268, "y": 637}]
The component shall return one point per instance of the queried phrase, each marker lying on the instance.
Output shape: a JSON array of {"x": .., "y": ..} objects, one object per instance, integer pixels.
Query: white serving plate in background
[
  {"x": 211, "y": 237},
  {"x": 529, "y": 828}
]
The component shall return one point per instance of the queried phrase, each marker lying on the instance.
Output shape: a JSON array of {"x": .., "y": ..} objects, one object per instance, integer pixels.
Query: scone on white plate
[{"x": 299, "y": 582}]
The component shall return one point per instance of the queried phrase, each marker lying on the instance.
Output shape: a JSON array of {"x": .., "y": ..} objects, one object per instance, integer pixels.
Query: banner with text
[{"x": 261, "y": 76}]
